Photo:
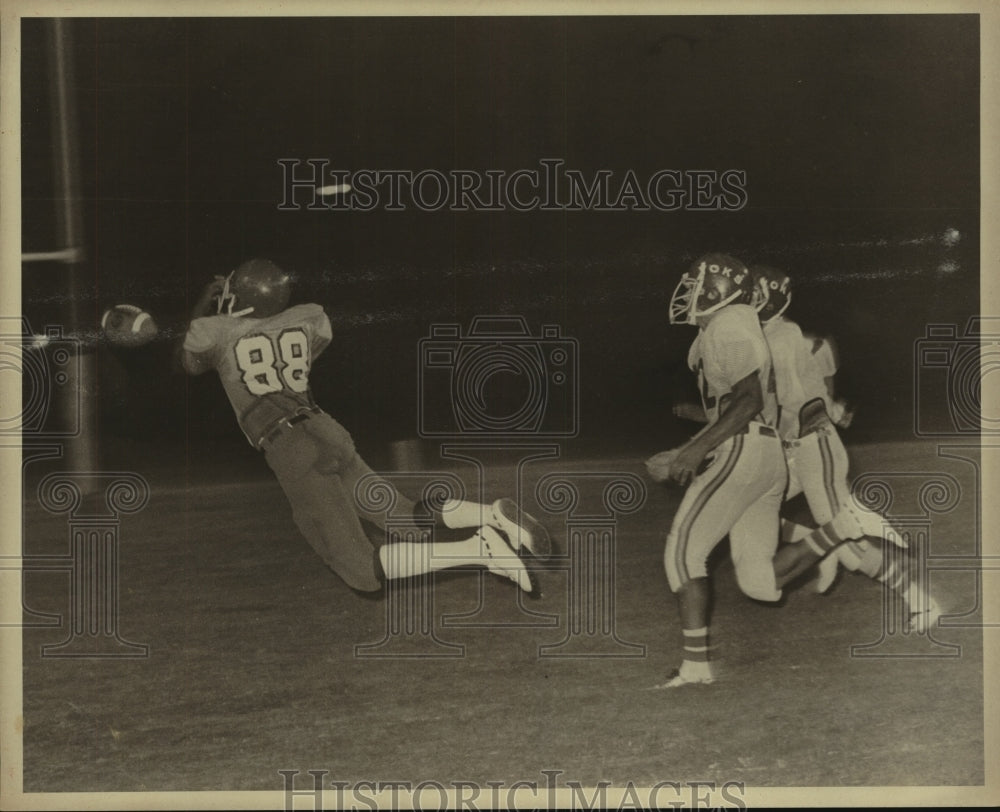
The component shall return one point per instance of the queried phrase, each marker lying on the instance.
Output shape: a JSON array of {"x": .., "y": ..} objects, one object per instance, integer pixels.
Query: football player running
[
  {"x": 263, "y": 352},
  {"x": 818, "y": 462},
  {"x": 734, "y": 469}
]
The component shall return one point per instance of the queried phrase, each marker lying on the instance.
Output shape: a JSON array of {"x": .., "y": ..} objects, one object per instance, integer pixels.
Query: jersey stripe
[
  {"x": 709, "y": 491},
  {"x": 828, "y": 483},
  {"x": 828, "y": 471}
]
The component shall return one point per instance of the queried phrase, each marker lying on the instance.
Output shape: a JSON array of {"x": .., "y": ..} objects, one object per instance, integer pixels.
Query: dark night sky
[{"x": 859, "y": 136}]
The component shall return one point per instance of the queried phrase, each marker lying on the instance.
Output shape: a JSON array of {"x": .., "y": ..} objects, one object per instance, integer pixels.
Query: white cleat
[
  {"x": 876, "y": 526},
  {"x": 688, "y": 674},
  {"x": 503, "y": 560},
  {"x": 828, "y": 568},
  {"x": 925, "y": 619},
  {"x": 523, "y": 529},
  {"x": 847, "y": 523}
]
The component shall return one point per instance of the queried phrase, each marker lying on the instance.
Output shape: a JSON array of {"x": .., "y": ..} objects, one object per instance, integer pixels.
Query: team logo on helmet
[
  {"x": 258, "y": 287},
  {"x": 772, "y": 292},
  {"x": 710, "y": 284}
]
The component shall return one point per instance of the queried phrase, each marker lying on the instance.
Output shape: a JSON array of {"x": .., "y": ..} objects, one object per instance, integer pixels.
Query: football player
[
  {"x": 263, "y": 352},
  {"x": 824, "y": 352},
  {"x": 734, "y": 469},
  {"x": 817, "y": 459}
]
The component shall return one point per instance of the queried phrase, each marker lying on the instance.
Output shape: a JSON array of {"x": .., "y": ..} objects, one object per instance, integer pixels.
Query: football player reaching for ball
[
  {"x": 263, "y": 351},
  {"x": 734, "y": 469},
  {"x": 818, "y": 462}
]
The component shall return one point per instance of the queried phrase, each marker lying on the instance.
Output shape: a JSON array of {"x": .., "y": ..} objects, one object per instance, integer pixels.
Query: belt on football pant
[
  {"x": 758, "y": 428},
  {"x": 824, "y": 428},
  {"x": 283, "y": 424}
]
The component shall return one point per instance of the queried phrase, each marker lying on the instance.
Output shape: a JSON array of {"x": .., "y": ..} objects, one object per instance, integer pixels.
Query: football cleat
[
  {"x": 257, "y": 288},
  {"x": 503, "y": 560},
  {"x": 688, "y": 674},
  {"x": 828, "y": 568},
  {"x": 925, "y": 619},
  {"x": 846, "y": 524},
  {"x": 521, "y": 528},
  {"x": 711, "y": 283},
  {"x": 876, "y": 526}
]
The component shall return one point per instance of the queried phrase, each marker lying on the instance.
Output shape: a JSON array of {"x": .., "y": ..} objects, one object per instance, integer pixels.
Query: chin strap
[{"x": 761, "y": 296}]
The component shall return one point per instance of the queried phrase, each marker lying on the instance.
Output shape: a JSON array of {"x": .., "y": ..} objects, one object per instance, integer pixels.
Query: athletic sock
[
  {"x": 696, "y": 647},
  {"x": 457, "y": 513},
  {"x": 835, "y": 532},
  {"x": 451, "y": 514}
]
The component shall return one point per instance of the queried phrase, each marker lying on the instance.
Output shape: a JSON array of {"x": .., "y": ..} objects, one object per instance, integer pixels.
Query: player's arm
[
  {"x": 694, "y": 412},
  {"x": 191, "y": 362},
  {"x": 322, "y": 334},
  {"x": 211, "y": 292},
  {"x": 747, "y": 399}
]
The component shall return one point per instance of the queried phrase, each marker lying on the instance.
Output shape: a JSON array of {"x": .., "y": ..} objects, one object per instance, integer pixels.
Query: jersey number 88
[{"x": 258, "y": 356}]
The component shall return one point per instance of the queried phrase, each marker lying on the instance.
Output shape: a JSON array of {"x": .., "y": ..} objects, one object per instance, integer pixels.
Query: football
[{"x": 126, "y": 325}]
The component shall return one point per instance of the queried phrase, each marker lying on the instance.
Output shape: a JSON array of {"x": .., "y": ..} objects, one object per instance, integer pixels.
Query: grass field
[{"x": 252, "y": 666}]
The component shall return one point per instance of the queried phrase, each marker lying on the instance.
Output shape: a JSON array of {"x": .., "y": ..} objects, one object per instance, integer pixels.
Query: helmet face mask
[
  {"x": 712, "y": 283},
  {"x": 257, "y": 288},
  {"x": 772, "y": 292}
]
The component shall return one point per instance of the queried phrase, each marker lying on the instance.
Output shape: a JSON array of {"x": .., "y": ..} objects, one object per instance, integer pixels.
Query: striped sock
[
  {"x": 696, "y": 645},
  {"x": 826, "y": 537}
]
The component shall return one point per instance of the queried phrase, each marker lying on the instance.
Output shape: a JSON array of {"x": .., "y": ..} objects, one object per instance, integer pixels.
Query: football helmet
[
  {"x": 258, "y": 287},
  {"x": 772, "y": 292},
  {"x": 711, "y": 283}
]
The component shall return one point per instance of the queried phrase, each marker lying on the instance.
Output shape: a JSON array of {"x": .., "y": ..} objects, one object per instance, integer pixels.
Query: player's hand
[
  {"x": 214, "y": 288},
  {"x": 658, "y": 466},
  {"x": 846, "y": 415},
  {"x": 685, "y": 465},
  {"x": 211, "y": 293}
]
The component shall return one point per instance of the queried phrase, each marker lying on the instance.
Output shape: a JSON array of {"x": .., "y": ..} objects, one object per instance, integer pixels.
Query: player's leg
[
  {"x": 323, "y": 510},
  {"x": 821, "y": 470},
  {"x": 504, "y": 515},
  {"x": 881, "y": 556},
  {"x": 522, "y": 529},
  {"x": 486, "y": 548},
  {"x": 790, "y": 563},
  {"x": 753, "y": 538},
  {"x": 816, "y": 545},
  {"x": 342, "y": 472},
  {"x": 894, "y": 568},
  {"x": 712, "y": 503}
]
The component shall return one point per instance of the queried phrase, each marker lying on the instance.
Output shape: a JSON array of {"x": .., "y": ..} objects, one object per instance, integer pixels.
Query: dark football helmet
[
  {"x": 772, "y": 292},
  {"x": 711, "y": 283},
  {"x": 257, "y": 288}
]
